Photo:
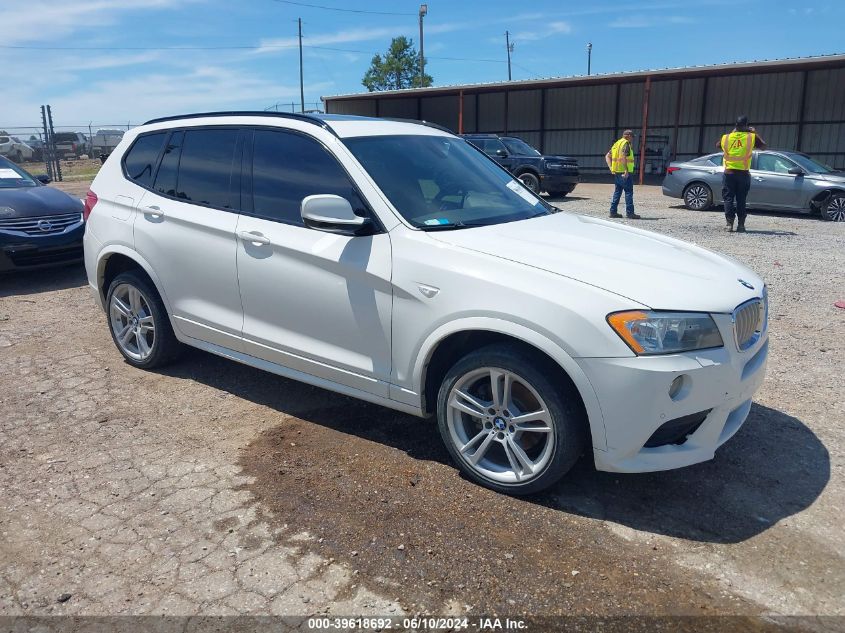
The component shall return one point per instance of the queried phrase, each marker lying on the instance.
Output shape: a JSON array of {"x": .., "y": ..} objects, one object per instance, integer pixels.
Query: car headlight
[{"x": 665, "y": 332}]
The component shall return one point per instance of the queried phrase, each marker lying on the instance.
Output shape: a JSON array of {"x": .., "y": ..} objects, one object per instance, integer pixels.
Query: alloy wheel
[
  {"x": 500, "y": 425},
  {"x": 697, "y": 197},
  {"x": 530, "y": 181},
  {"x": 836, "y": 209},
  {"x": 132, "y": 322}
]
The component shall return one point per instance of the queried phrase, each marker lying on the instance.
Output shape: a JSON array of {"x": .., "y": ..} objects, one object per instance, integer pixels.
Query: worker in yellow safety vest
[
  {"x": 737, "y": 152},
  {"x": 620, "y": 161}
]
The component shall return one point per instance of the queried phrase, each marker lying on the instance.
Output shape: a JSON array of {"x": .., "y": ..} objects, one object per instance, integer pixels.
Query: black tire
[
  {"x": 833, "y": 209},
  {"x": 18, "y": 157},
  {"x": 530, "y": 180},
  {"x": 557, "y": 194},
  {"x": 567, "y": 428},
  {"x": 698, "y": 196},
  {"x": 165, "y": 347}
]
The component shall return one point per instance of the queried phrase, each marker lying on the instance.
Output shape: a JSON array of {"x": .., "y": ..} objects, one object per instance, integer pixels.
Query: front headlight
[{"x": 665, "y": 332}]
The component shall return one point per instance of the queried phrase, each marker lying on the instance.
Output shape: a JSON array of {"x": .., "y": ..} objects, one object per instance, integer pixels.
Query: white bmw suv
[{"x": 394, "y": 262}]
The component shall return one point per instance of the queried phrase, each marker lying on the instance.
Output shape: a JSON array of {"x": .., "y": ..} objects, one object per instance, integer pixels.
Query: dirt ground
[{"x": 213, "y": 488}]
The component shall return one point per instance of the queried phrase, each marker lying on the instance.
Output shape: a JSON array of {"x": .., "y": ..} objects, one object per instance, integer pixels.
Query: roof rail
[
  {"x": 436, "y": 126},
  {"x": 307, "y": 118}
]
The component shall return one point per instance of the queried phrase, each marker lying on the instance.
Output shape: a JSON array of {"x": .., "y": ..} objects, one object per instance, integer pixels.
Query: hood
[
  {"x": 834, "y": 176},
  {"x": 650, "y": 269},
  {"x": 31, "y": 202}
]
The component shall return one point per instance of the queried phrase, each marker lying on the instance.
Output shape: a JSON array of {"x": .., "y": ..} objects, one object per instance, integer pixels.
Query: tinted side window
[
  {"x": 771, "y": 162},
  {"x": 168, "y": 170},
  {"x": 140, "y": 160},
  {"x": 205, "y": 167},
  {"x": 286, "y": 168}
]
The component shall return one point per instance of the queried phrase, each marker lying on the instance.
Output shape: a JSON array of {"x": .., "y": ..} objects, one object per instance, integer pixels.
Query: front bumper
[
  {"x": 33, "y": 252},
  {"x": 635, "y": 402},
  {"x": 559, "y": 182}
]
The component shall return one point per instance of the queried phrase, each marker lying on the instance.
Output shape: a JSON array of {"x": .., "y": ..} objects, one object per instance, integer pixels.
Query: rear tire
[
  {"x": 138, "y": 322},
  {"x": 834, "y": 209},
  {"x": 557, "y": 194},
  {"x": 18, "y": 157},
  {"x": 506, "y": 424},
  {"x": 698, "y": 197}
]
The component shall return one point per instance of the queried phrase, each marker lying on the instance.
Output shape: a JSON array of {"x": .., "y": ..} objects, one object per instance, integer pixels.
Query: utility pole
[
  {"x": 301, "y": 84},
  {"x": 509, "y": 46},
  {"x": 423, "y": 12},
  {"x": 589, "y": 55}
]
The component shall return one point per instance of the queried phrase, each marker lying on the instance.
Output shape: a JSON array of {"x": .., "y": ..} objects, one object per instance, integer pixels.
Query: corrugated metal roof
[{"x": 682, "y": 71}]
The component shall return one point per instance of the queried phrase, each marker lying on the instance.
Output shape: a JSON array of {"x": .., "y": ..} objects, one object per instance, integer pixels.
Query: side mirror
[
  {"x": 501, "y": 153},
  {"x": 44, "y": 179},
  {"x": 333, "y": 214},
  {"x": 796, "y": 171}
]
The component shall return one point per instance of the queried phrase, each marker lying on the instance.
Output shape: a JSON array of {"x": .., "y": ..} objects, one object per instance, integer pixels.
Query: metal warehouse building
[{"x": 796, "y": 104}]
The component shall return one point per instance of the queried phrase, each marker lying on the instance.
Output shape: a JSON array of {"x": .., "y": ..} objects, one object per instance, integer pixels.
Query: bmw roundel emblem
[{"x": 746, "y": 284}]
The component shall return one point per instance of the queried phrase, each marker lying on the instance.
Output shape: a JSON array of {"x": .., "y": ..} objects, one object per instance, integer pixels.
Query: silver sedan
[{"x": 780, "y": 180}]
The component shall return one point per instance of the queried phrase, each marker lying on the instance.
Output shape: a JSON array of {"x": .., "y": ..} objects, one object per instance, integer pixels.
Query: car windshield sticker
[
  {"x": 522, "y": 192},
  {"x": 436, "y": 222},
  {"x": 10, "y": 173}
]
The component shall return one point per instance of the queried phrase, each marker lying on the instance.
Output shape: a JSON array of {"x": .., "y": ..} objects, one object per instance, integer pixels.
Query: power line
[{"x": 318, "y": 6}]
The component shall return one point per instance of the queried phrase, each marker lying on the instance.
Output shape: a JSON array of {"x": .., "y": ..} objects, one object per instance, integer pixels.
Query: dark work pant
[
  {"x": 735, "y": 186},
  {"x": 626, "y": 185}
]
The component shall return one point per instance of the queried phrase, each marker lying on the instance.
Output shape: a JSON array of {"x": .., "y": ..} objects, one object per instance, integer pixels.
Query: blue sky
[{"x": 245, "y": 54}]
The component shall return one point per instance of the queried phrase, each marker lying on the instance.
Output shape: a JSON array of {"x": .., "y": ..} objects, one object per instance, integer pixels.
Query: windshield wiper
[{"x": 444, "y": 227}]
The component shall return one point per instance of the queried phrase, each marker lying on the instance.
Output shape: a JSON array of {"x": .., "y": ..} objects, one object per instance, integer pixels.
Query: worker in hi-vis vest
[
  {"x": 737, "y": 151},
  {"x": 620, "y": 161}
]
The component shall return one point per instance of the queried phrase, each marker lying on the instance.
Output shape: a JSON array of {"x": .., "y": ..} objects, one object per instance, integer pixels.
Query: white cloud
[
  {"x": 643, "y": 22},
  {"x": 549, "y": 29},
  {"x": 27, "y": 21}
]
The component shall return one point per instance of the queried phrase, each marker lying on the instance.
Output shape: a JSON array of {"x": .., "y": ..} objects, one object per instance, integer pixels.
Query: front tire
[
  {"x": 505, "y": 424},
  {"x": 531, "y": 181},
  {"x": 138, "y": 322},
  {"x": 698, "y": 197},
  {"x": 834, "y": 209}
]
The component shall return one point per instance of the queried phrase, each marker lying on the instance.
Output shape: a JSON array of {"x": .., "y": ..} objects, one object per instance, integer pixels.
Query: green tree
[{"x": 398, "y": 69}]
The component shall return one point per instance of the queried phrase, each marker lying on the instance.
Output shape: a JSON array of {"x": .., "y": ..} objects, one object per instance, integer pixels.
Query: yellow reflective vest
[
  {"x": 737, "y": 148},
  {"x": 619, "y": 162}
]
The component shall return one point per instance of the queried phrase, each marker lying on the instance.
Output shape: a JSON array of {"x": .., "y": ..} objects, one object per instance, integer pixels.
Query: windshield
[
  {"x": 519, "y": 147},
  {"x": 439, "y": 182},
  {"x": 809, "y": 164},
  {"x": 13, "y": 176}
]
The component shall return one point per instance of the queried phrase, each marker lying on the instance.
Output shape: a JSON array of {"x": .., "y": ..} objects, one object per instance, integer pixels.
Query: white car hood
[{"x": 651, "y": 269}]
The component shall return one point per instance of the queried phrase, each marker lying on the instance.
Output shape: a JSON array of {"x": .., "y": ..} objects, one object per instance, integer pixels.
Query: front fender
[{"x": 531, "y": 337}]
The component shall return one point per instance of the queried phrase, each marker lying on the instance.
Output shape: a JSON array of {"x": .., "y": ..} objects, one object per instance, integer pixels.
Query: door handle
[
  {"x": 256, "y": 239},
  {"x": 153, "y": 211}
]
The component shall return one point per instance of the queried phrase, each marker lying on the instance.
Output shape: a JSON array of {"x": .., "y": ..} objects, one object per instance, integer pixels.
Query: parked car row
[{"x": 67, "y": 145}]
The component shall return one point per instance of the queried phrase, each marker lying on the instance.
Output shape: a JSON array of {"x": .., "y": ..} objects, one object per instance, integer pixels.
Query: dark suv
[{"x": 556, "y": 175}]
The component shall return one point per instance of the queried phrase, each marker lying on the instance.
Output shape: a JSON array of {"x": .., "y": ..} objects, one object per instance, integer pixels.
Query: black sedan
[{"x": 39, "y": 226}]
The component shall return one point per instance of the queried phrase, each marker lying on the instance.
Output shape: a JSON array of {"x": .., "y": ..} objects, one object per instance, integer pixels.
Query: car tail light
[
  {"x": 90, "y": 201},
  {"x": 670, "y": 170}
]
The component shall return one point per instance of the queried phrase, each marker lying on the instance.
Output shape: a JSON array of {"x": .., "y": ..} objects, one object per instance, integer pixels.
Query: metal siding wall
[
  {"x": 826, "y": 95},
  {"x": 441, "y": 110},
  {"x": 580, "y": 107},
  {"x": 764, "y": 98},
  {"x": 691, "y": 102},
  {"x": 360, "y": 107},
  {"x": 630, "y": 106},
  {"x": 470, "y": 113},
  {"x": 579, "y": 120},
  {"x": 398, "y": 108},
  {"x": 662, "y": 103},
  {"x": 491, "y": 112},
  {"x": 524, "y": 110}
]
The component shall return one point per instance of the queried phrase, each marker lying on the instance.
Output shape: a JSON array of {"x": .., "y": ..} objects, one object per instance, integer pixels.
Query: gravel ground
[{"x": 213, "y": 488}]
